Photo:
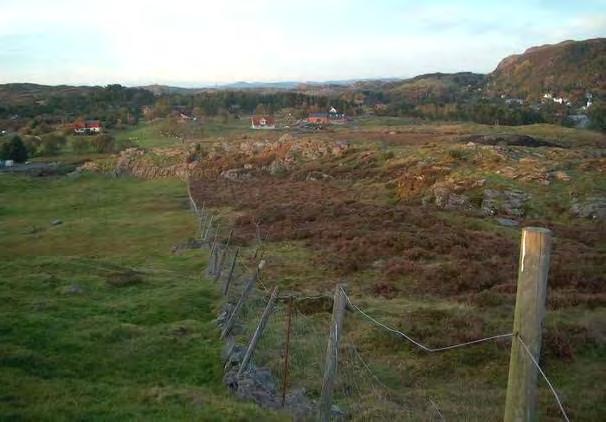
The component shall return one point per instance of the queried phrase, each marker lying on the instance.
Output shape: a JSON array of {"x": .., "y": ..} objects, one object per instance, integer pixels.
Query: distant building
[
  {"x": 88, "y": 127},
  {"x": 335, "y": 116},
  {"x": 184, "y": 117},
  {"x": 262, "y": 122},
  {"x": 318, "y": 118}
]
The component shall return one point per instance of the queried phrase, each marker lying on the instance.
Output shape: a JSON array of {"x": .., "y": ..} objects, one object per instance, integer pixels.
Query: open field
[{"x": 100, "y": 321}]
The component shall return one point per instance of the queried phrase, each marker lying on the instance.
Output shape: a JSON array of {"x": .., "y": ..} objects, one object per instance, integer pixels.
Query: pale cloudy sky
[{"x": 191, "y": 43}]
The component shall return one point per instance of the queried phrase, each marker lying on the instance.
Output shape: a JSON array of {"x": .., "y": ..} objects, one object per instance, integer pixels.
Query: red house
[
  {"x": 88, "y": 127},
  {"x": 318, "y": 118},
  {"x": 262, "y": 122}
]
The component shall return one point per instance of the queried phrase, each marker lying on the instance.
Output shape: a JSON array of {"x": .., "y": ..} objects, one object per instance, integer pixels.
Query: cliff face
[{"x": 568, "y": 69}]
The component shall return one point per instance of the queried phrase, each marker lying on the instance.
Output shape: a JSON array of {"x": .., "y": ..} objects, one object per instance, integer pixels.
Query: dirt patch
[
  {"x": 124, "y": 278},
  {"x": 510, "y": 140}
]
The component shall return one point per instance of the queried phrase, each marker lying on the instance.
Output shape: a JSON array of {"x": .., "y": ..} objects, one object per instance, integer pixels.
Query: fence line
[{"x": 255, "y": 283}]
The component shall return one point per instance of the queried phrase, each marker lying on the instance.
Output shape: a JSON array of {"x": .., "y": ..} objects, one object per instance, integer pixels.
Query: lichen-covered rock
[
  {"x": 508, "y": 202},
  {"x": 236, "y": 174},
  {"x": 256, "y": 384},
  {"x": 259, "y": 385},
  {"x": 593, "y": 208}
]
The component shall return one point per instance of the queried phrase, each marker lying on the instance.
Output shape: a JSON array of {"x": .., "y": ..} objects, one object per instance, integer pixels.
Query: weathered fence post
[
  {"x": 332, "y": 351},
  {"x": 259, "y": 331},
  {"x": 231, "y": 272},
  {"x": 520, "y": 403},
  {"x": 207, "y": 229},
  {"x": 225, "y": 250},
  {"x": 191, "y": 199},
  {"x": 286, "y": 351},
  {"x": 234, "y": 314}
]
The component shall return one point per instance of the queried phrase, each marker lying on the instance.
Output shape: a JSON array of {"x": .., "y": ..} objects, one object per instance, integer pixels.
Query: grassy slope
[
  {"x": 148, "y": 350},
  {"x": 146, "y": 135}
]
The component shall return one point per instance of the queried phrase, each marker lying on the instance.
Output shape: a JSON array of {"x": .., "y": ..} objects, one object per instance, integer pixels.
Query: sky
[{"x": 200, "y": 42}]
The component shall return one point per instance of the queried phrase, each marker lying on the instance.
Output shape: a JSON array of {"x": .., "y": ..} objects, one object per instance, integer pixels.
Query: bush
[
  {"x": 51, "y": 144},
  {"x": 32, "y": 144},
  {"x": 14, "y": 149},
  {"x": 80, "y": 145},
  {"x": 103, "y": 143},
  {"x": 598, "y": 117}
]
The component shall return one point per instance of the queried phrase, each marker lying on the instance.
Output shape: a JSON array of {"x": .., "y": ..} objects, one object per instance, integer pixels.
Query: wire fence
[{"x": 289, "y": 356}]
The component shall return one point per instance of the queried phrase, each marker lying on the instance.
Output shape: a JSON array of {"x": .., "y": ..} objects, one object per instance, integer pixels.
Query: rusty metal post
[{"x": 286, "y": 351}]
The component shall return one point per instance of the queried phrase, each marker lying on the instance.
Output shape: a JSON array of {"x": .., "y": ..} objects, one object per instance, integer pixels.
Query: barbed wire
[
  {"x": 553, "y": 391},
  {"x": 416, "y": 343}
]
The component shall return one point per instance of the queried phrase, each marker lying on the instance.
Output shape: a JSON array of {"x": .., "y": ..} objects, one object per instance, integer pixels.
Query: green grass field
[
  {"x": 76, "y": 346},
  {"x": 145, "y": 135}
]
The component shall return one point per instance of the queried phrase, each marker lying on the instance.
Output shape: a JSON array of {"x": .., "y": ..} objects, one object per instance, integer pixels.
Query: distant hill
[
  {"x": 437, "y": 86},
  {"x": 568, "y": 69},
  {"x": 243, "y": 85},
  {"x": 27, "y": 93}
]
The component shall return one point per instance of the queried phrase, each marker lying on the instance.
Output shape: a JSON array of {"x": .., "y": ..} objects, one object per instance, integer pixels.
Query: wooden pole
[
  {"x": 191, "y": 199},
  {"x": 259, "y": 331},
  {"x": 218, "y": 252},
  {"x": 520, "y": 403},
  {"x": 234, "y": 315},
  {"x": 201, "y": 224},
  {"x": 332, "y": 351},
  {"x": 207, "y": 229},
  {"x": 223, "y": 256},
  {"x": 215, "y": 237},
  {"x": 231, "y": 272},
  {"x": 213, "y": 250},
  {"x": 285, "y": 375}
]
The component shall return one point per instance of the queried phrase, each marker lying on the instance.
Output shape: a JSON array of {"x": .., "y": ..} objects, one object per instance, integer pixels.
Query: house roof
[
  {"x": 93, "y": 123},
  {"x": 269, "y": 120},
  {"x": 89, "y": 124}
]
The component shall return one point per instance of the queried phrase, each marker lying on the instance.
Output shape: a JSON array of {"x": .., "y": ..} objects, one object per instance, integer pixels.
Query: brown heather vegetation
[{"x": 346, "y": 217}]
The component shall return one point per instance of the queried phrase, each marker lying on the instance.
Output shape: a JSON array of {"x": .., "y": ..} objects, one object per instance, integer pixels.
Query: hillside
[
  {"x": 28, "y": 93},
  {"x": 568, "y": 69},
  {"x": 438, "y": 86}
]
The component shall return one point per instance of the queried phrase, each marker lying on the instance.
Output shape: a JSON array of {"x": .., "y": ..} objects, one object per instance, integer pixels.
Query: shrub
[
  {"x": 32, "y": 144},
  {"x": 51, "y": 144},
  {"x": 14, "y": 149},
  {"x": 103, "y": 143},
  {"x": 80, "y": 144}
]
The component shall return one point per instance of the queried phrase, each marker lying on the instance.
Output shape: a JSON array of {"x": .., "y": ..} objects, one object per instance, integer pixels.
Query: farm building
[
  {"x": 88, "y": 127},
  {"x": 318, "y": 118},
  {"x": 335, "y": 116},
  {"x": 262, "y": 122}
]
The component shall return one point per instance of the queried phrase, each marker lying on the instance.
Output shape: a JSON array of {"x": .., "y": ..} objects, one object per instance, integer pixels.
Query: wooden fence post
[
  {"x": 207, "y": 229},
  {"x": 234, "y": 314},
  {"x": 332, "y": 351},
  {"x": 259, "y": 331},
  {"x": 520, "y": 403},
  {"x": 191, "y": 199},
  {"x": 231, "y": 272},
  {"x": 224, "y": 251}
]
